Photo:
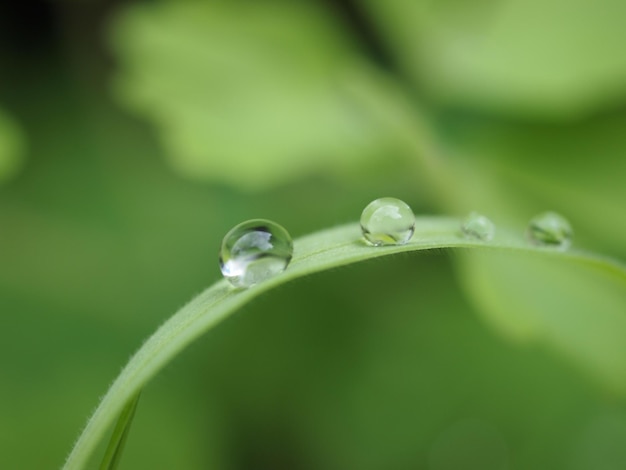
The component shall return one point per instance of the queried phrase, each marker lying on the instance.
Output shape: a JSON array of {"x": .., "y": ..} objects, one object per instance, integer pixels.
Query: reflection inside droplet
[
  {"x": 255, "y": 251},
  {"x": 387, "y": 221}
]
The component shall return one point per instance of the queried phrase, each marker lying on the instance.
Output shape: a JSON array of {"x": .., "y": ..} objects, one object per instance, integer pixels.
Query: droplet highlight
[
  {"x": 387, "y": 221},
  {"x": 254, "y": 251},
  {"x": 478, "y": 227},
  {"x": 550, "y": 229}
]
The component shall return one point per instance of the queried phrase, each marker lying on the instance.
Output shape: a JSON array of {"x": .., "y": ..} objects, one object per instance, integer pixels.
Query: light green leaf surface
[
  {"x": 579, "y": 312},
  {"x": 318, "y": 252},
  {"x": 11, "y": 147},
  {"x": 556, "y": 58},
  {"x": 247, "y": 93},
  {"x": 513, "y": 171}
]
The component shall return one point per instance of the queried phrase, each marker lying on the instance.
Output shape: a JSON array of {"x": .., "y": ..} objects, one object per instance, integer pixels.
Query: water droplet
[
  {"x": 478, "y": 227},
  {"x": 255, "y": 251},
  {"x": 387, "y": 221},
  {"x": 550, "y": 229}
]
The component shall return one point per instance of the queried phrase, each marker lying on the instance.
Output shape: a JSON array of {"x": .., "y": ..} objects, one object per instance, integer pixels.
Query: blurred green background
[{"x": 134, "y": 134}]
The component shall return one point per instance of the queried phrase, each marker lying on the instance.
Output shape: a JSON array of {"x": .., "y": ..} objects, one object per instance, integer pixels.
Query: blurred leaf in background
[
  {"x": 554, "y": 59},
  {"x": 11, "y": 147},
  {"x": 277, "y": 109},
  {"x": 513, "y": 170},
  {"x": 247, "y": 93},
  {"x": 578, "y": 312}
]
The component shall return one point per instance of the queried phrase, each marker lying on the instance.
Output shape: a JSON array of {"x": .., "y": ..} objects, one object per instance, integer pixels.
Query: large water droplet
[
  {"x": 478, "y": 227},
  {"x": 387, "y": 221},
  {"x": 550, "y": 229},
  {"x": 254, "y": 251}
]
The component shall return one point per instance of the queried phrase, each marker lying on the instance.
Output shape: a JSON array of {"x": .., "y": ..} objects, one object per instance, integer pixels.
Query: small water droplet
[
  {"x": 255, "y": 251},
  {"x": 387, "y": 221},
  {"x": 478, "y": 227},
  {"x": 550, "y": 229}
]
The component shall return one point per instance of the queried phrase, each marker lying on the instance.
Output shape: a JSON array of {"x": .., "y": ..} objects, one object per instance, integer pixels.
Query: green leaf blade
[
  {"x": 120, "y": 434},
  {"x": 320, "y": 251}
]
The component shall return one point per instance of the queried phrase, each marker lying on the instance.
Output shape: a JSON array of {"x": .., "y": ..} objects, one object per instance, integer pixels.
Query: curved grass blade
[
  {"x": 118, "y": 439},
  {"x": 313, "y": 253}
]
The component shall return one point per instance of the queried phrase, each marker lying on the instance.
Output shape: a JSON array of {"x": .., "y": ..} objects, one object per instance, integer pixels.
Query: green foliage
[
  {"x": 113, "y": 454},
  {"x": 248, "y": 93},
  {"x": 303, "y": 112},
  {"x": 513, "y": 170},
  {"x": 11, "y": 147},
  {"x": 554, "y": 60},
  {"x": 344, "y": 245},
  {"x": 577, "y": 312}
]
